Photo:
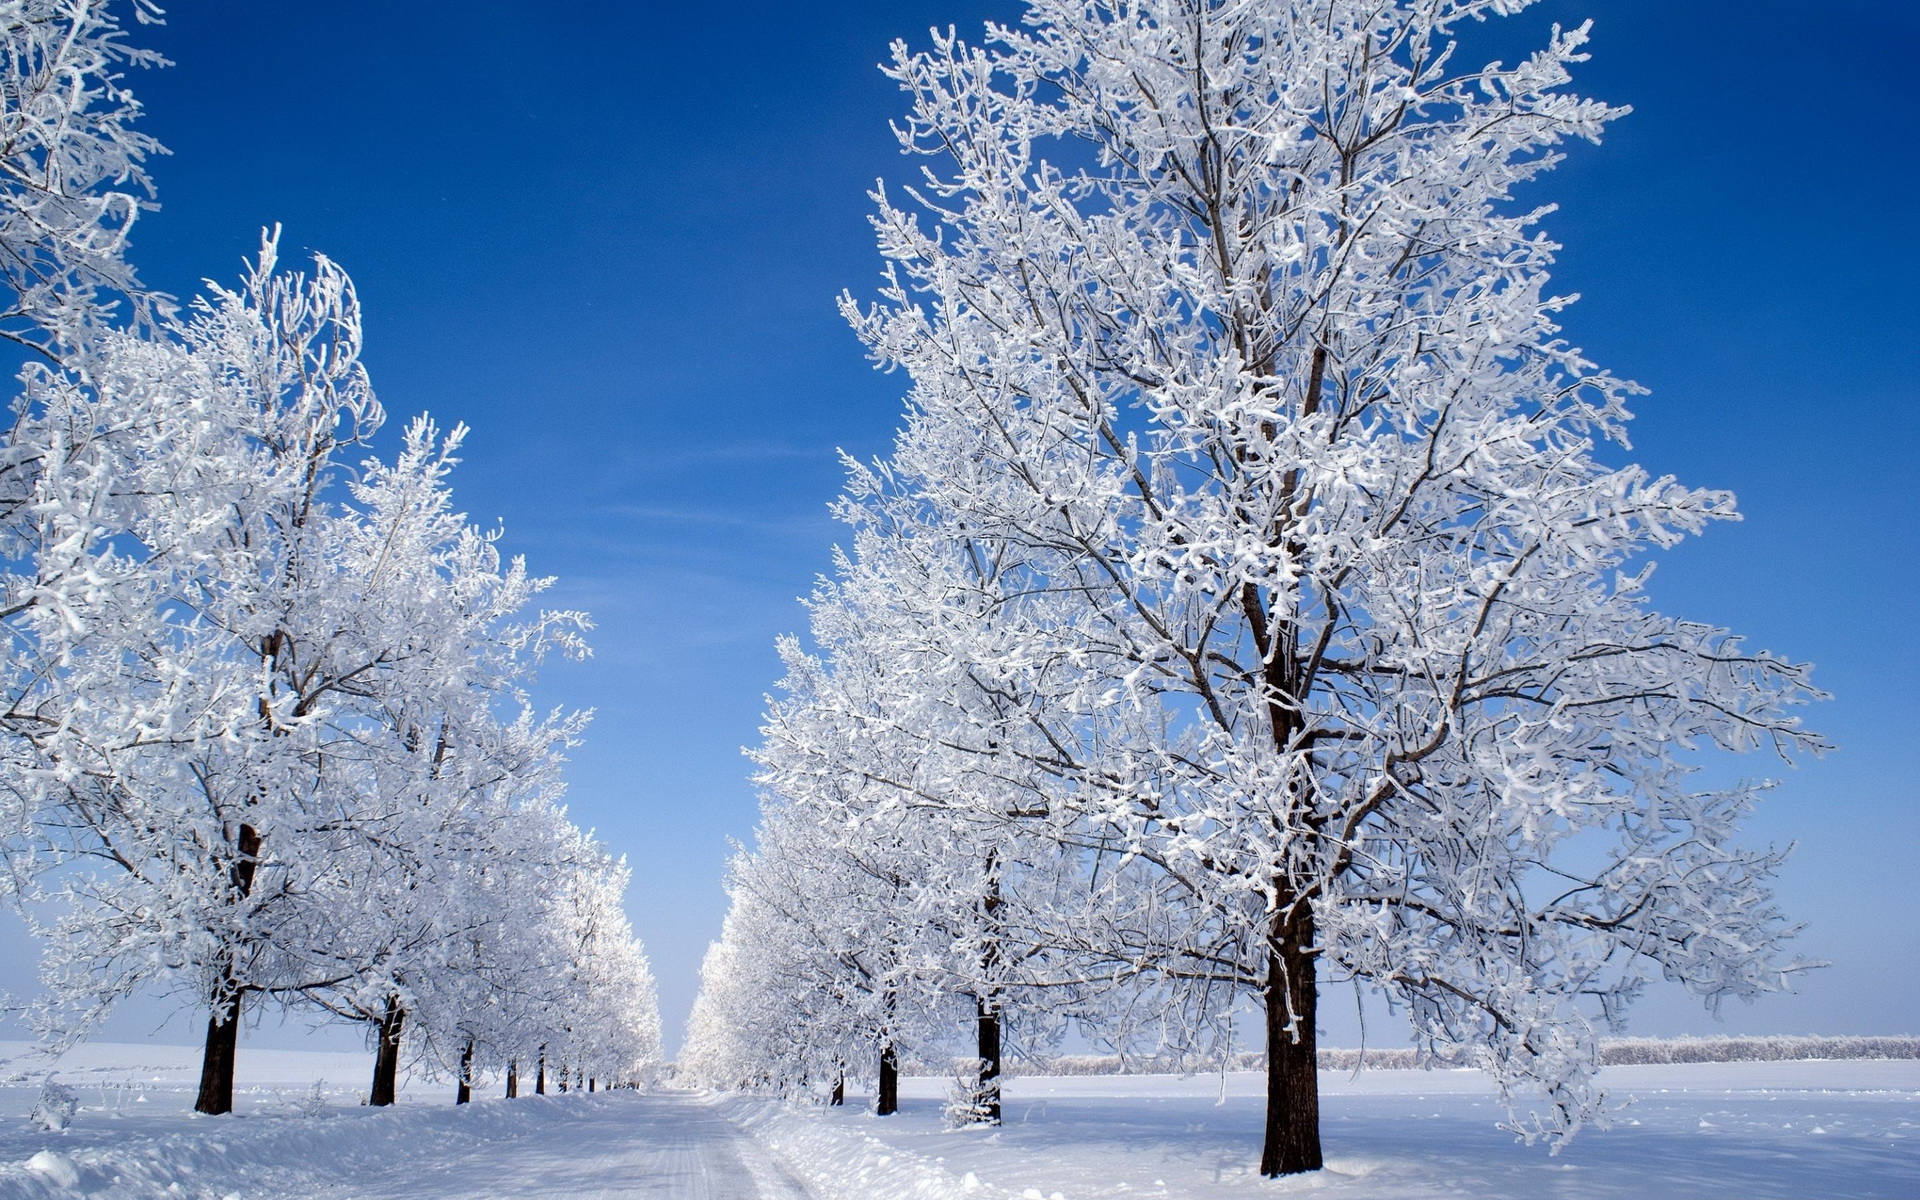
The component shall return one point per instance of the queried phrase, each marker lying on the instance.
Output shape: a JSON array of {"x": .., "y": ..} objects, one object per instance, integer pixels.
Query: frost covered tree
[
  {"x": 597, "y": 1019},
  {"x": 566, "y": 981},
  {"x": 72, "y": 170},
  {"x": 866, "y": 868},
  {"x": 613, "y": 1015},
  {"x": 212, "y": 697},
  {"x": 279, "y": 724},
  {"x": 825, "y": 966},
  {"x": 532, "y": 954},
  {"x": 909, "y": 879},
  {"x": 176, "y": 682},
  {"x": 72, "y": 181},
  {"x": 263, "y": 722},
  {"x": 439, "y": 744},
  {"x": 1228, "y": 319}
]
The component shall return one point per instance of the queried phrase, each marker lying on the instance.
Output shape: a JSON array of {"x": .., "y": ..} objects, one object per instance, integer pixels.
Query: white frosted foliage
[{"x": 1257, "y": 540}]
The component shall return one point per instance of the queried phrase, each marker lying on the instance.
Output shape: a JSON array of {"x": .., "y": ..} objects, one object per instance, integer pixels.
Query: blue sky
[{"x": 609, "y": 235}]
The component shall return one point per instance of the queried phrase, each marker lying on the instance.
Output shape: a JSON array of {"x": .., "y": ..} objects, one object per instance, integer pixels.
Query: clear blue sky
[{"x": 608, "y": 236}]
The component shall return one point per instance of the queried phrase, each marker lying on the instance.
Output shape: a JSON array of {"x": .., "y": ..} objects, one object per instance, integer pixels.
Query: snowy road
[{"x": 661, "y": 1146}]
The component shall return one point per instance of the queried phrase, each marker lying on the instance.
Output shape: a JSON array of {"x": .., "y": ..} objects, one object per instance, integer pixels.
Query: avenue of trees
[
  {"x": 1254, "y": 598},
  {"x": 265, "y": 734}
]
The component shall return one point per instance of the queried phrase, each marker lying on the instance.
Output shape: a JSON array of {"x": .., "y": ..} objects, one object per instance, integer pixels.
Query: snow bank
[{"x": 186, "y": 1158}]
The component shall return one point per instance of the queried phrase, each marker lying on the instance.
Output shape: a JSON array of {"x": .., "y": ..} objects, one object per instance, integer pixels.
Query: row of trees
[
  {"x": 1253, "y": 598},
  {"x": 267, "y": 736}
]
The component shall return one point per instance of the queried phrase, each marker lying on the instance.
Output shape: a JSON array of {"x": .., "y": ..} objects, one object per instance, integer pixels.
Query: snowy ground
[
  {"x": 136, "y": 1137},
  {"x": 1805, "y": 1131},
  {"x": 1823, "y": 1131}
]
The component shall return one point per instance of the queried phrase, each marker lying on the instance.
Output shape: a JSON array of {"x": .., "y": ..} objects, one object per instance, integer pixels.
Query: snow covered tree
[
  {"x": 907, "y": 871},
  {"x": 263, "y": 721},
  {"x": 440, "y": 745},
  {"x": 284, "y": 721},
  {"x": 543, "y": 960},
  {"x": 1259, "y": 376},
  {"x": 178, "y": 686},
  {"x": 72, "y": 181},
  {"x": 598, "y": 1019},
  {"x": 790, "y": 992},
  {"x": 72, "y": 170},
  {"x": 822, "y": 971}
]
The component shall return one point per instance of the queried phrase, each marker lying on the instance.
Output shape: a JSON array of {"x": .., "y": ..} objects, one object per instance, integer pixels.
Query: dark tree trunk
[
  {"x": 987, "y": 1043},
  {"x": 464, "y": 1092},
  {"x": 540, "y": 1074},
  {"x": 987, "y": 1008},
  {"x": 386, "y": 1057},
  {"x": 216, "y": 1063},
  {"x": 1293, "y": 1080},
  {"x": 589, "y": 1085},
  {"x": 886, "y": 1100},
  {"x": 223, "y": 1024},
  {"x": 513, "y": 1078},
  {"x": 839, "y": 1095},
  {"x": 1291, "y": 996}
]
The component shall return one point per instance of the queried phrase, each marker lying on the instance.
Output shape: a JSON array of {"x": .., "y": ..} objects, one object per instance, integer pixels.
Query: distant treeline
[{"x": 1613, "y": 1052}]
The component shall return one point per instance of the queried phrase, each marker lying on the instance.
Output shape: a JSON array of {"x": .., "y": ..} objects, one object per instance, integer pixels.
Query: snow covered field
[
  {"x": 1801, "y": 1130},
  {"x": 136, "y": 1137},
  {"x": 1817, "y": 1130}
]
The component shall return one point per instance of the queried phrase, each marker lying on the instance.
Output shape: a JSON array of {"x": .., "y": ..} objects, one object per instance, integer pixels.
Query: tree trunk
[
  {"x": 987, "y": 1008},
  {"x": 987, "y": 1044},
  {"x": 386, "y": 1058},
  {"x": 540, "y": 1074},
  {"x": 513, "y": 1078},
  {"x": 223, "y": 1024},
  {"x": 217, "y": 1062},
  {"x": 464, "y": 1092},
  {"x": 589, "y": 1085},
  {"x": 886, "y": 1099},
  {"x": 839, "y": 1095},
  {"x": 1293, "y": 1080}
]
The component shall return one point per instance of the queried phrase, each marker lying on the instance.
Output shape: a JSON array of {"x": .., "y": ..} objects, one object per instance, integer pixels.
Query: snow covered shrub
[
  {"x": 314, "y": 1103},
  {"x": 54, "y": 1110},
  {"x": 968, "y": 1100}
]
